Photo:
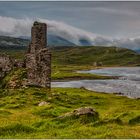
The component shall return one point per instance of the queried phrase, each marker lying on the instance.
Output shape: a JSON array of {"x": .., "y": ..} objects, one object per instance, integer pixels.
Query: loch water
[{"x": 128, "y": 83}]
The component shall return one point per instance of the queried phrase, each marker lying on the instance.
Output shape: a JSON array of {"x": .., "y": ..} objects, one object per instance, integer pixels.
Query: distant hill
[
  {"x": 22, "y": 42},
  {"x": 138, "y": 51},
  {"x": 108, "y": 56},
  {"x": 7, "y": 42},
  {"x": 85, "y": 42},
  {"x": 54, "y": 40},
  {"x": 69, "y": 54}
]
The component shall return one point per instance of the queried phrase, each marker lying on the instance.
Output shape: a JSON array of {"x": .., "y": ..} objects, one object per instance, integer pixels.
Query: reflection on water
[{"x": 128, "y": 84}]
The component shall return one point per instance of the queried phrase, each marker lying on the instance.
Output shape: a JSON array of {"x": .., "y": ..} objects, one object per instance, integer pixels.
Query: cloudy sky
[{"x": 99, "y": 22}]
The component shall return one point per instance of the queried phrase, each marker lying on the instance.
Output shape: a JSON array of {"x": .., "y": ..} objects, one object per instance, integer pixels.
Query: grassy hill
[
  {"x": 9, "y": 43},
  {"x": 109, "y": 56},
  {"x": 80, "y": 56},
  {"x": 21, "y": 117}
]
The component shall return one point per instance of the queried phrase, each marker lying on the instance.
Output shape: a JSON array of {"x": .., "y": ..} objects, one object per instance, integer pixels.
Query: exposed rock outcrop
[{"x": 80, "y": 112}]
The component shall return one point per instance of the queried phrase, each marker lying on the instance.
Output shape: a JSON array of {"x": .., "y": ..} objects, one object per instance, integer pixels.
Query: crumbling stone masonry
[
  {"x": 6, "y": 65},
  {"x": 38, "y": 58}
]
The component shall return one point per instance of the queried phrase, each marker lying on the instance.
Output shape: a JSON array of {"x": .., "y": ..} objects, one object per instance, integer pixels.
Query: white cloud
[
  {"x": 21, "y": 27},
  {"x": 15, "y": 27},
  {"x": 130, "y": 43},
  {"x": 68, "y": 32}
]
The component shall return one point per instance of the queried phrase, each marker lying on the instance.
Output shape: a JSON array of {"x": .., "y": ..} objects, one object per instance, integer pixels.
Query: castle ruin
[
  {"x": 38, "y": 58},
  {"x": 37, "y": 62},
  {"x": 6, "y": 65}
]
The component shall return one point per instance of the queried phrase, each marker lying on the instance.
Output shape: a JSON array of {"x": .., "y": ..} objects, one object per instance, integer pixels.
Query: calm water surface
[{"x": 128, "y": 84}]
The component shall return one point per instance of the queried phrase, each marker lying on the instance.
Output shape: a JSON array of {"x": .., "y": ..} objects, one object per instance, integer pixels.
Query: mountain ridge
[
  {"x": 8, "y": 42},
  {"x": 22, "y": 42}
]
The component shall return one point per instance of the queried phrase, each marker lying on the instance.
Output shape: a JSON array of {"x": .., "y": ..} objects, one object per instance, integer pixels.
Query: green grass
[
  {"x": 21, "y": 117},
  {"x": 70, "y": 73},
  {"x": 17, "y": 54},
  {"x": 16, "y": 75},
  {"x": 86, "y": 56},
  {"x": 109, "y": 56}
]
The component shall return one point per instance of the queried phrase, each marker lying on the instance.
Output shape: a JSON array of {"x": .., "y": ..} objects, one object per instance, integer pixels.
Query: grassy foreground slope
[{"x": 21, "y": 117}]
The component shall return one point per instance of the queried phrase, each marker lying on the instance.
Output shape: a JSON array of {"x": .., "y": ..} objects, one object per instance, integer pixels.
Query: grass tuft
[
  {"x": 135, "y": 120},
  {"x": 14, "y": 129}
]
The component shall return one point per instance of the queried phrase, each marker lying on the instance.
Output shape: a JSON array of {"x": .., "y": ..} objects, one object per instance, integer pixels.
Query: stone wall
[
  {"x": 38, "y": 58},
  {"x": 6, "y": 65}
]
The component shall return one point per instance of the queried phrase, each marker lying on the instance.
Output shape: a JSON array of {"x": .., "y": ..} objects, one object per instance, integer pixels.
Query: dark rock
[
  {"x": 19, "y": 63},
  {"x": 82, "y": 87}
]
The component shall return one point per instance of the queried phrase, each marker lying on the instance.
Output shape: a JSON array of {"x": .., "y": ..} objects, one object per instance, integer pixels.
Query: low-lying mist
[{"x": 21, "y": 27}]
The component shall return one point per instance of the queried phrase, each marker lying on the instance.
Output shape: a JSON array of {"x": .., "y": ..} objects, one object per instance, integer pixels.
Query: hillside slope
[
  {"x": 7, "y": 42},
  {"x": 22, "y": 116},
  {"x": 54, "y": 40},
  {"x": 13, "y": 43},
  {"x": 112, "y": 56},
  {"x": 80, "y": 56}
]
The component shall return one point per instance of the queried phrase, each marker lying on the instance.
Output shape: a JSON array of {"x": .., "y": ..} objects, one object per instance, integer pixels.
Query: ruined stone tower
[
  {"x": 38, "y": 58},
  {"x": 6, "y": 65}
]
